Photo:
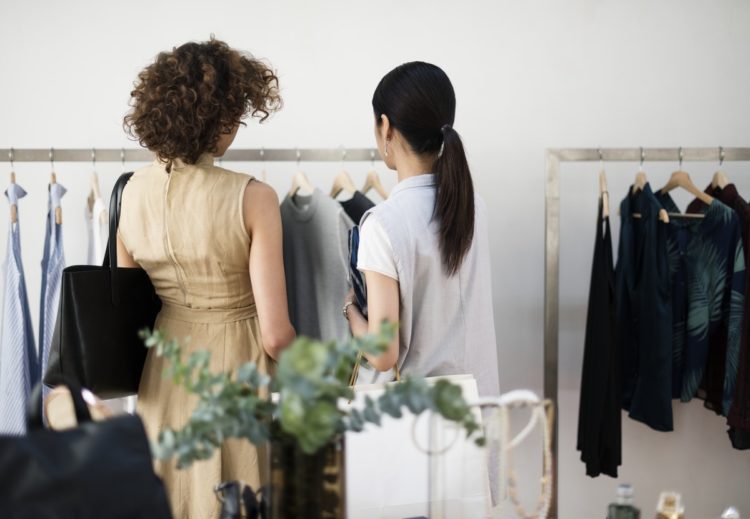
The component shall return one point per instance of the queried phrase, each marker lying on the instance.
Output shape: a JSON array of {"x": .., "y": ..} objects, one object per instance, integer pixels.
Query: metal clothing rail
[
  {"x": 232, "y": 155},
  {"x": 552, "y": 244}
]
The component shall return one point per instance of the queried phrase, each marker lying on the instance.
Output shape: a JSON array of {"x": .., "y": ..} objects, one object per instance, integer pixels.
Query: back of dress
[{"x": 186, "y": 229}]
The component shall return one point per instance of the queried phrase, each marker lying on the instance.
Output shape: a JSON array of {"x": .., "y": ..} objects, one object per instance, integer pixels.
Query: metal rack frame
[
  {"x": 554, "y": 157},
  {"x": 233, "y": 155}
]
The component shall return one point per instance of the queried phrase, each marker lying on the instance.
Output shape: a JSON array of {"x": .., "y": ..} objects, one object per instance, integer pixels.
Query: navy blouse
[{"x": 644, "y": 311}]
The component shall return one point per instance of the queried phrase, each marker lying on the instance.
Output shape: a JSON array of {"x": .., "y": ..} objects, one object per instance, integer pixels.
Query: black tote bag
[
  {"x": 102, "y": 309},
  {"x": 95, "y": 470}
]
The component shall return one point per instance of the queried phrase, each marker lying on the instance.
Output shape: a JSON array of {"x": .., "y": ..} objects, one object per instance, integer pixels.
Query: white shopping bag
[{"x": 401, "y": 470}]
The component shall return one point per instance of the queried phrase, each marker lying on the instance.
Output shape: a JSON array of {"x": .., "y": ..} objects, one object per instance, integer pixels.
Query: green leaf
[
  {"x": 449, "y": 400},
  {"x": 292, "y": 413}
]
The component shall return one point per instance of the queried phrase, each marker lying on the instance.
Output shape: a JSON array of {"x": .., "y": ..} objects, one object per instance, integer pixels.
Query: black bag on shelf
[
  {"x": 98, "y": 469},
  {"x": 102, "y": 309}
]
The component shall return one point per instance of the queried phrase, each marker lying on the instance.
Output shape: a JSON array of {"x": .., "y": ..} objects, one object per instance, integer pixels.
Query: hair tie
[{"x": 445, "y": 128}]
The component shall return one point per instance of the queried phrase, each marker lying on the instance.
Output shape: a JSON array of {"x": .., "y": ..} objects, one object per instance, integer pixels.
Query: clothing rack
[
  {"x": 233, "y": 155},
  {"x": 554, "y": 157}
]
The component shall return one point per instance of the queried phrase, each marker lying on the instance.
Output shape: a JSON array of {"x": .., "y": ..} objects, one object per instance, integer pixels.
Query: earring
[{"x": 386, "y": 148}]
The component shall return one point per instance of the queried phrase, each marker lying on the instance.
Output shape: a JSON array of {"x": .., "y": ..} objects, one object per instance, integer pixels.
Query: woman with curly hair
[{"x": 209, "y": 239}]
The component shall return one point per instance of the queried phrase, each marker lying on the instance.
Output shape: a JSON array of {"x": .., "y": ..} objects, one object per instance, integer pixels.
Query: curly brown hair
[{"x": 187, "y": 98}]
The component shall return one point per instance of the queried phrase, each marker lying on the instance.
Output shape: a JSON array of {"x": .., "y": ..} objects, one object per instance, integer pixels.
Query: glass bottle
[
  {"x": 670, "y": 506},
  {"x": 623, "y": 507}
]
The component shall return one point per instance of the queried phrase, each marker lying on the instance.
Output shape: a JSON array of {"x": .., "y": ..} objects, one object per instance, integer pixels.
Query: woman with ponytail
[{"x": 424, "y": 252}]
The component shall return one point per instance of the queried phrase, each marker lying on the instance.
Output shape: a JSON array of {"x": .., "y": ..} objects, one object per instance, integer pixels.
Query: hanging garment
[
  {"x": 316, "y": 235},
  {"x": 357, "y": 278},
  {"x": 446, "y": 323},
  {"x": 644, "y": 311},
  {"x": 18, "y": 356},
  {"x": 599, "y": 416},
  {"x": 186, "y": 229},
  {"x": 97, "y": 232},
  {"x": 707, "y": 263},
  {"x": 53, "y": 263},
  {"x": 357, "y": 206},
  {"x": 739, "y": 413}
]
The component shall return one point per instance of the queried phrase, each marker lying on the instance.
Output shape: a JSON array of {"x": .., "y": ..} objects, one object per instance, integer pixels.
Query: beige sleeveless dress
[{"x": 186, "y": 229}]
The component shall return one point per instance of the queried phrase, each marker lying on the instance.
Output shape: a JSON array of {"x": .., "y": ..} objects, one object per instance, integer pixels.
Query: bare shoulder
[
  {"x": 258, "y": 193},
  {"x": 260, "y": 201}
]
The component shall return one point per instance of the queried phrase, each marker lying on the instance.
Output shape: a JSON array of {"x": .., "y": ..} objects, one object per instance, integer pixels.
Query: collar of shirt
[
  {"x": 417, "y": 181},
  {"x": 14, "y": 193},
  {"x": 728, "y": 194},
  {"x": 302, "y": 207},
  {"x": 642, "y": 202}
]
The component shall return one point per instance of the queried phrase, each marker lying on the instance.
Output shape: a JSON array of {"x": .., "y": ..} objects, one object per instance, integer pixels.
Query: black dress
[{"x": 599, "y": 417}]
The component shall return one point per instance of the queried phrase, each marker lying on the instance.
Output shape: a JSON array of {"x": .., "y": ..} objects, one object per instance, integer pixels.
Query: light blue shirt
[
  {"x": 53, "y": 263},
  {"x": 18, "y": 356}
]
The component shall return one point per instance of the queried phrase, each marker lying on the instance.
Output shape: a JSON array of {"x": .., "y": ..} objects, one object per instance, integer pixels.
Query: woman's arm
[
  {"x": 263, "y": 222},
  {"x": 124, "y": 259},
  {"x": 382, "y": 305}
]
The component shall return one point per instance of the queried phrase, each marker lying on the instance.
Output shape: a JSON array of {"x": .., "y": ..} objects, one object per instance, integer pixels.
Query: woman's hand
[
  {"x": 357, "y": 322},
  {"x": 350, "y": 297}
]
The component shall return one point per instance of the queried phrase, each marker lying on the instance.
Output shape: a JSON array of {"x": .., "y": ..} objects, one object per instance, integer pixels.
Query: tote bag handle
[{"x": 110, "y": 257}]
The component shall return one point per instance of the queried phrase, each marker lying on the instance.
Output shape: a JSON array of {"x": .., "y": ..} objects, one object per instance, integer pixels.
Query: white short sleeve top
[{"x": 375, "y": 250}]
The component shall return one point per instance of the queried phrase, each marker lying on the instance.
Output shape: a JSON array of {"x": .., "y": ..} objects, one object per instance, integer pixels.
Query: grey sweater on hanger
[{"x": 315, "y": 263}]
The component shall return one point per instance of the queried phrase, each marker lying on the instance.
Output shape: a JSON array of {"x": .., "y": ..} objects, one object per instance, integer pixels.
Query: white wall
[{"x": 528, "y": 76}]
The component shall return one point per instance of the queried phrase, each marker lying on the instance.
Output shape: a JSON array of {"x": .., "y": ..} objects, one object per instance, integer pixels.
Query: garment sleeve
[
  {"x": 375, "y": 250},
  {"x": 734, "y": 327}
]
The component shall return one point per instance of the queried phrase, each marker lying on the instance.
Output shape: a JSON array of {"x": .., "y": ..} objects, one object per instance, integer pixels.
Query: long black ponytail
[{"x": 419, "y": 101}]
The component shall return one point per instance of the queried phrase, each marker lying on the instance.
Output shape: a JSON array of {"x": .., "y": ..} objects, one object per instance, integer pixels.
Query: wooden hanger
[
  {"x": 681, "y": 179},
  {"x": 342, "y": 182},
  {"x": 300, "y": 181},
  {"x": 663, "y": 215},
  {"x": 13, "y": 207},
  {"x": 640, "y": 182},
  {"x": 94, "y": 192},
  {"x": 52, "y": 181},
  {"x": 604, "y": 193},
  {"x": 58, "y": 210},
  {"x": 373, "y": 182},
  {"x": 720, "y": 178},
  {"x": 640, "y": 177},
  {"x": 638, "y": 185}
]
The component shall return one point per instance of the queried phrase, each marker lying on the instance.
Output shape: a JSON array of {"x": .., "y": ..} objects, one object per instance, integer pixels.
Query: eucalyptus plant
[{"x": 311, "y": 380}]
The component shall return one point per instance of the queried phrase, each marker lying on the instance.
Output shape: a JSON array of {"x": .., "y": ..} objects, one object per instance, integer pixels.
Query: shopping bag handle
[
  {"x": 34, "y": 407},
  {"x": 110, "y": 257}
]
